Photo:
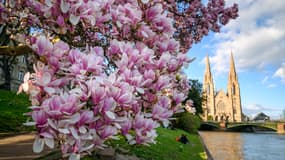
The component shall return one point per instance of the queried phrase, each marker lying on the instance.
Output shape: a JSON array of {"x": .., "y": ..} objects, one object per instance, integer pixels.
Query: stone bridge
[{"x": 278, "y": 127}]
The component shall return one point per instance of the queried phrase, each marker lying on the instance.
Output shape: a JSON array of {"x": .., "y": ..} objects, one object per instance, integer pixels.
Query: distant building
[
  {"x": 18, "y": 71},
  {"x": 261, "y": 117},
  {"x": 222, "y": 106}
]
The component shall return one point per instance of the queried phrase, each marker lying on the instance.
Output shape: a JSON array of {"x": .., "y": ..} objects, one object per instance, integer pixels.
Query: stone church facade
[{"x": 222, "y": 106}]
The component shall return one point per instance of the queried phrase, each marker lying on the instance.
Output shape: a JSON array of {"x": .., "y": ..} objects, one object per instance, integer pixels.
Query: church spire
[
  {"x": 234, "y": 92},
  {"x": 208, "y": 74},
  {"x": 208, "y": 92},
  {"x": 232, "y": 73}
]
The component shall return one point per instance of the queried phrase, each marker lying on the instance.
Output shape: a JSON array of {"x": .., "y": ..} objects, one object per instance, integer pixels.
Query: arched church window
[
  {"x": 221, "y": 107},
  {"x": 216, "y": 118},
  {"x": 208, "y": 89},
  {"x": 227, "y": 118},
  {"x": 233, "y": 89},
  {"x": 234, "y": 106}
]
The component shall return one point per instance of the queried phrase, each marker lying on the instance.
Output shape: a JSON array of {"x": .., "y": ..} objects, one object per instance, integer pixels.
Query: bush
[{"x": 187, "y": 122}]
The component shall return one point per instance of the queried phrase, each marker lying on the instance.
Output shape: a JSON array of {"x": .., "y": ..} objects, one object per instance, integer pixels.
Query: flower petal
[
  {"x": 63, "y": 130},
  {"x": 64, "y": 6},
  {"x": 38, "y": 145},
  {"x": 49, "y": 142},
  {"x": 144, "y": 1},
  {"x": 25, "y": 87},
  {"x": 46, "y": 78},
  {"x": 110, "y": 114},
  {"x": 74, "y": 19}
]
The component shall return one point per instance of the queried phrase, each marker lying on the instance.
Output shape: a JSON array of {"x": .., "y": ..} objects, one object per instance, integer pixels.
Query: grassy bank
[
  {"x": 12, "y": 108},
  {"x": 167, "y": 148}
]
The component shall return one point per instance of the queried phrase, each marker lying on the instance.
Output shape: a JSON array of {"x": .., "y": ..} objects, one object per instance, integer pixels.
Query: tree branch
[{"x": 15, "y": 50}]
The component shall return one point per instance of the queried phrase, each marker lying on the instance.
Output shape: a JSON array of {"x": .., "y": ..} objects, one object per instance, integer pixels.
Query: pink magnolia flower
[
  {"x": 42, "y": 46},
  {"x": 107, "y": 132},
  {"x": 40, "y": 118},
  {"x": 144, "y": 129},
  {"x": 25, "y": 86}
]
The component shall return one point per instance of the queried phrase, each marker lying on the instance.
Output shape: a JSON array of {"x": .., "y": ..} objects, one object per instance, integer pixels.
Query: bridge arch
[
  {"x": 250, "y": 127},
  {"x": 209, "y": 126}
]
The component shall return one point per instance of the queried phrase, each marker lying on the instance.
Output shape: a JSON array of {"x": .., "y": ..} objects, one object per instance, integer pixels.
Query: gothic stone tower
[
  {"x": 222, "y": 106},
  {"x": 208, "y": 92}
]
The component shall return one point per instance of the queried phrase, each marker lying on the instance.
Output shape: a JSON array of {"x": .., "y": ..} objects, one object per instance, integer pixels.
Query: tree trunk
[
  {"x": 7, "y": 75},
  {"x": 6, "y": 66}
]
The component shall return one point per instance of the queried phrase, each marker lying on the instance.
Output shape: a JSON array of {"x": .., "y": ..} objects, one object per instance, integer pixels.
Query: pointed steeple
[
  {"x": 232, "y": 73},
  {"x": 234, "y": 92},
  {"x": 208, "y": 74},
  {"x": 208, "y": 92}
]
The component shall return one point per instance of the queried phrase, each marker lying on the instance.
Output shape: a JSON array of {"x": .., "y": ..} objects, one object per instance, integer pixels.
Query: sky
[{"x": 257, "y": 40}]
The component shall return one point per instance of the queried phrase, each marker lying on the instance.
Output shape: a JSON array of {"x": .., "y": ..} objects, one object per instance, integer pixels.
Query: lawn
[
  {"x": 12, "y": 108},
  {"x": 167, "y": 148}
]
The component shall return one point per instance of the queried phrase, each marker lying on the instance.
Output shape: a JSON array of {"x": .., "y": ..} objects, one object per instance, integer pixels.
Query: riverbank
[{"x": 209, "y": 156}]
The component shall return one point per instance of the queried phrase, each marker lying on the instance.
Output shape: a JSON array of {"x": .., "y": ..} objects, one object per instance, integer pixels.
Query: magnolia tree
[{"x": 107, "y": 67}]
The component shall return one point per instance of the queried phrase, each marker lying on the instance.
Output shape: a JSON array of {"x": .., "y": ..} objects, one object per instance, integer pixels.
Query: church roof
[{"x": 221, "y": 91}]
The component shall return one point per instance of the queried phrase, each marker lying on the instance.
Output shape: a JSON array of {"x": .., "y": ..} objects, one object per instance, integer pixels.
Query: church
[{"x": 221, "y": 106}]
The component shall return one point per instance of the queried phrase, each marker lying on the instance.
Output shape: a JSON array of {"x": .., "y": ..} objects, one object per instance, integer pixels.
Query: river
[{"x": 244, "y": 146}]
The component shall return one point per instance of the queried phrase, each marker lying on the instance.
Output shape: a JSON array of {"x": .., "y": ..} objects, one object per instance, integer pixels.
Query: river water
[{"x": 244, "y": 146}]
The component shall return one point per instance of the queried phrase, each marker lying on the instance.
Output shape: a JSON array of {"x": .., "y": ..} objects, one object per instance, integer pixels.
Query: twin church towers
[{"x": 221, "y": 106}]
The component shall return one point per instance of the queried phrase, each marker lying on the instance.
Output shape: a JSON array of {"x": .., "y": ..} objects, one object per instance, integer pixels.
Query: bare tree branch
[{"x": 15, "y": 50}]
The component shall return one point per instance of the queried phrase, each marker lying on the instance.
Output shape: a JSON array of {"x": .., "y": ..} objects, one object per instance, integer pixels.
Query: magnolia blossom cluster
[
  {"x": 84, "y": 96},
  {"x": 78, "y": 104},
  {"x": 105, "y": 68},
  {"x": 88, "y": 21}
]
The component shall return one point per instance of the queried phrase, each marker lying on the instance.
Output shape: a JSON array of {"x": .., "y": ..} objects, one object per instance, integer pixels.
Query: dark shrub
[{"x": 187, "y": 121}]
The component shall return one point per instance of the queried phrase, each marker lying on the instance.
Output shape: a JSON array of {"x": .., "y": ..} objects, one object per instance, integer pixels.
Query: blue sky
[{"x": 257, "y": 41}]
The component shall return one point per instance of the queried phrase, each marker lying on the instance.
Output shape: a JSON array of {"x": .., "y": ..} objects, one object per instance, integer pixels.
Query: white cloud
[
  {"x": 272, "y": 85},
  {"x": 280, "y": 73},
  {"x": 256, "y": 37},
  {"x": 267, "y": 82},
  {"x": 253, "y": 109}
]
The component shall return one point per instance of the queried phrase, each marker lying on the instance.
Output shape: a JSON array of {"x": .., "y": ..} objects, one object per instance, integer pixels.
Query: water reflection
[
  {"x": 264, "y": 146},
  {"x": 245, "y": 146}
]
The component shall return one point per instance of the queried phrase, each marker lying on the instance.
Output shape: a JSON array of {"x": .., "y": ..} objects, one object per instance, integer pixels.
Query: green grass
[
  {"x": 12, "y": 108},
  {"x": 167, "y": 148}
]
